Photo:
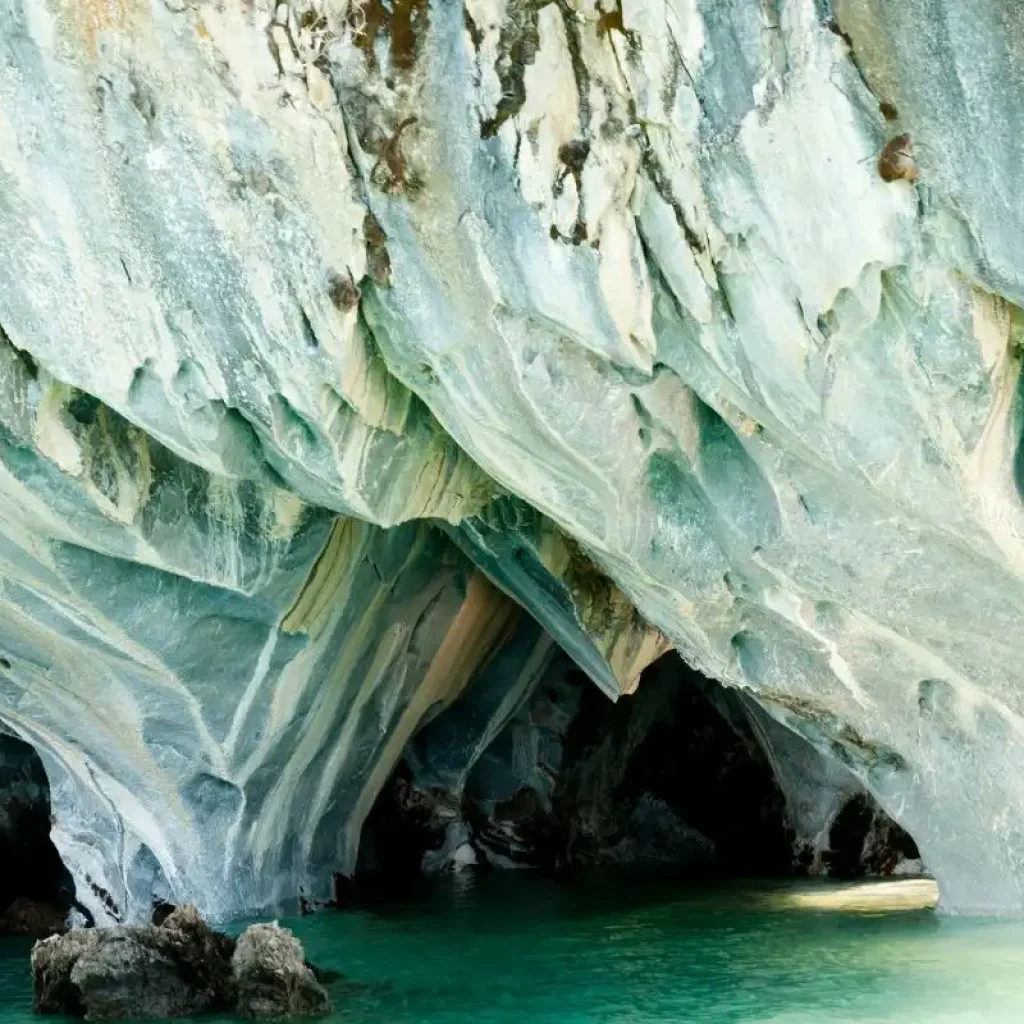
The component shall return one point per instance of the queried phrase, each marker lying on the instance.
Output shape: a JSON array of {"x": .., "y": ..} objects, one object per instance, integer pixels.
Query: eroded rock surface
[
  {"x": 272, "y": 978},
  {"x": 335, "y": 333},
  {"x": 179, "y": 968}
]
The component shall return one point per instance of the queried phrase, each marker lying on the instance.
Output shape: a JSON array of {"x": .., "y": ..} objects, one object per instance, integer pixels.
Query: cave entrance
[
  {"x": 672, "y": 775},
  {"x": 676, "y": 776},
  {"x": 36, "y": 889}
]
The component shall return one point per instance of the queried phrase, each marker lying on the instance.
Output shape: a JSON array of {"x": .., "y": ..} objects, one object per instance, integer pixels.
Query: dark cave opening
[
  {"x": 673, "y": 777},
  {"x": 864, "y": 841},
  {"x": 36, "y": 889}
]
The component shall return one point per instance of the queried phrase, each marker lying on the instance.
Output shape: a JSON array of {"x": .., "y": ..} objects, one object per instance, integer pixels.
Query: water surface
[{"x": 511, "y": 949}]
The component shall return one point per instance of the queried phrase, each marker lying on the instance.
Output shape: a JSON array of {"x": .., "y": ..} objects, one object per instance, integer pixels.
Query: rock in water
[
  {"x": 272, "y": 976},
  {"x": 177, "y": 969},
  {"x": 119, "y": 978},
  {"x": 53, "y": 961},
  {"x": 181, "y": 968}
]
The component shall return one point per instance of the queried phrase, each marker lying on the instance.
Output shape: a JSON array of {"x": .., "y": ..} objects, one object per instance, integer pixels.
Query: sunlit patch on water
[{"x": 864, "y": 897}]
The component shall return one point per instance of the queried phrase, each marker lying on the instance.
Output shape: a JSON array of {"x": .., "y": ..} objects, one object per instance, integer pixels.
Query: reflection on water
[
  {"x": 865, "y": 897},
  {"x": 511, "y": 949}
]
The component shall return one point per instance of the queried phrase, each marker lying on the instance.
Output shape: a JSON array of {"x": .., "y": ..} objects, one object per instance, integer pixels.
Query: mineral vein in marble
[{"x": 332, "y": 334}]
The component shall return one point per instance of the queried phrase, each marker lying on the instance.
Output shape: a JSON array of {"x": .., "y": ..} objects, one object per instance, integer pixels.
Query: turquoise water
[{"x": 512, "y": 949}]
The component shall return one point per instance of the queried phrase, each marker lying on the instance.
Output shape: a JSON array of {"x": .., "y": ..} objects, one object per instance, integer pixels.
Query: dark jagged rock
[
  {"x": 671, "y": 774},
  {"x": 177, "y": 969},
  {"x": 180, "y": 968},
  {"x": 161, "y": 911},
  {"x": 406, "y": 821},
  {"x": 272, "y": 977}
]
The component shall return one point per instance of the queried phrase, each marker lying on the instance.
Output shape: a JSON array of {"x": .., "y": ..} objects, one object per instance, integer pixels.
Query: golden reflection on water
[{"x": 862, "y": 897}]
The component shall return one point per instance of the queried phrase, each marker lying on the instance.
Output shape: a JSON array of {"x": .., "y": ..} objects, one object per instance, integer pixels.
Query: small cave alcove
[
  {"x": 36, "y": 889},
  {"x": 674, "y": 777},
  {"x": 863, "y": 841}
]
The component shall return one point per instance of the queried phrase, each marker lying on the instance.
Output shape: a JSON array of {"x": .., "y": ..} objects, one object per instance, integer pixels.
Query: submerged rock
[{"x": 180, "y": 968}]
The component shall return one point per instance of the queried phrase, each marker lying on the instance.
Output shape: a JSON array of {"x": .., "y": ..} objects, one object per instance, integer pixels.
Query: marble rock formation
[{"x": 351, "y": 348}]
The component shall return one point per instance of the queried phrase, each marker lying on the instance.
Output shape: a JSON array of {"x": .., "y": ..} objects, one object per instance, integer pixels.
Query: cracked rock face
[{"x": 335, "y": 335}]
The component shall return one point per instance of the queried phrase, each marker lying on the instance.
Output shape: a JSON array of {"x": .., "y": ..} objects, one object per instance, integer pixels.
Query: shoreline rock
[{"x": 178, "y": 968}]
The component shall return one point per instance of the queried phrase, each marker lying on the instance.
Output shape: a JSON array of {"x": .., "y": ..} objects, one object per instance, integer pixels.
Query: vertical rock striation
[{"x": 333, "y": 332}]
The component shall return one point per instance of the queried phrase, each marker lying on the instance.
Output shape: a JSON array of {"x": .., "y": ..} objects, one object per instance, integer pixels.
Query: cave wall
[
  {"x": 218, "y": 676},
  {"x": 612, "y": 292}
]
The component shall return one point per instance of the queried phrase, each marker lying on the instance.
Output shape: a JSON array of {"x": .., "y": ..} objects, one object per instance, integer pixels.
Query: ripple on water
[{"x": 610, "y": 949}]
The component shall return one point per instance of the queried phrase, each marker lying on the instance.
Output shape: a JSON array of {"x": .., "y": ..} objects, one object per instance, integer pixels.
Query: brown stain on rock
[
  {"x": 378, "y": 259},
  {"x": 391, "y": 173},
  {"x": 92, "y": 18},
  {"x": 405, "y": 20},
  {"x": 896, "y": 162},
  {"x": 574, "y": 154},
  {"x": 611, "y": 21},
  {"x": 409, "y": 19},
  {"x": 368, "y": 20},
  {"x": 344, "y": 293},
  {"x": 518, "y": 44}
]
